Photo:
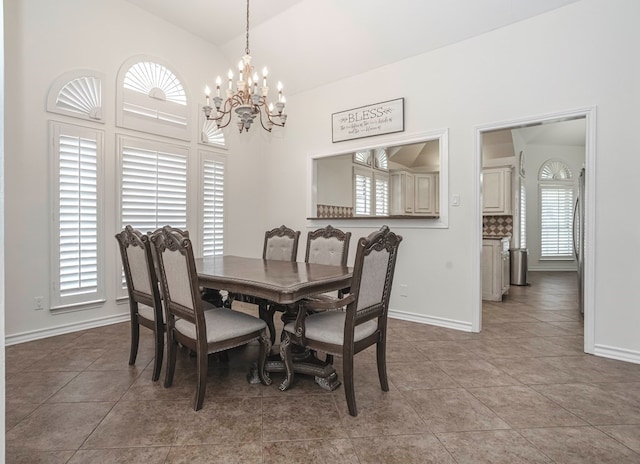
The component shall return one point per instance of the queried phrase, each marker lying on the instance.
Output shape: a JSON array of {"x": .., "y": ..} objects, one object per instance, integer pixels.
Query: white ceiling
[{"x": 309, "y": 43}]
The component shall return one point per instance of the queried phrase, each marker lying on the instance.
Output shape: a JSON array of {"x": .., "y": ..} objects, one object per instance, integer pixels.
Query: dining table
[{"x": 280, "y": 282}]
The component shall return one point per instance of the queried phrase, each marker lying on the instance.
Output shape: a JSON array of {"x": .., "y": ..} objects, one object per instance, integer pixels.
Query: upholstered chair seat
[
  {"x": 328, "y": 327},
  {"x": 222, "y": 324}
]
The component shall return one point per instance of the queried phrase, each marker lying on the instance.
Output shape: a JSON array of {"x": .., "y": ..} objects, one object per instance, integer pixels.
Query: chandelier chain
[{"x": 246, "y": 50}]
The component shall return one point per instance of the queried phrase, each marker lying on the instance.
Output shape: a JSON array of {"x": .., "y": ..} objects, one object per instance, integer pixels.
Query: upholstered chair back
[
  {"x": 328, "y": 246},
  {"x": 281, "y": 244}
]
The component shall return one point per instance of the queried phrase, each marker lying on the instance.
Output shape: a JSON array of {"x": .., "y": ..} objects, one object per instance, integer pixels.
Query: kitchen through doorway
[{"x": 532, "y": 230}]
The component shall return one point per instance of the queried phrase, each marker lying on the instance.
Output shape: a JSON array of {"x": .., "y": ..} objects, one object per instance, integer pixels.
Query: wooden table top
[{"x": 278, "y": 281}]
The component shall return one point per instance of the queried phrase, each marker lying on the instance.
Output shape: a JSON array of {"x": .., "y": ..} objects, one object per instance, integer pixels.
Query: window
[
  {"x": 77, "y": 261},
  {"x": 556, "y": 210},
  {"x": 362, "y": 191},
  {"x": 213, "y": 173},
  {"x": 371, "y": 192},
  {"x": 77, "y": 94},
  {"x": 153, "y": 190},
  {"x": 151, "y": 98},
  {"x": 382, "y": 194}
]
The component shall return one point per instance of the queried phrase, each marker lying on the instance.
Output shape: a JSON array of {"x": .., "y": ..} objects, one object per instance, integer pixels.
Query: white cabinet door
[
  {"x": 425, "y": 193},
  {"x": 495, "y": 268},
  {"x": 402, "y": 193},
  {"x": 496, "y": 191}
]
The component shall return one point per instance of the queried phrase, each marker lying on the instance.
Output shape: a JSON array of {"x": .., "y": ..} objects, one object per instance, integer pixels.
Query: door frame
[{"x": 589, "y": 114}]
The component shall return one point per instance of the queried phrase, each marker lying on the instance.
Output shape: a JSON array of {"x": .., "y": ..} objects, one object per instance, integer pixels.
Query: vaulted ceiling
[{"x": 309, "y": 43}]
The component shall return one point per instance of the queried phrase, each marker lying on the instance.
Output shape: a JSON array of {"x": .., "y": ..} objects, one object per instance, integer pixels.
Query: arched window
[
  {"x": 77, "y": 94},
  {"x": 556, "y": 210},
  {"x": 151, "y": 98}
]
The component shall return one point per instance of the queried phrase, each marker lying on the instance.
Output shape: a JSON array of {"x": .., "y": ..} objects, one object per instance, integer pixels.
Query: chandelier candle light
[{"x": 249, "y": 99}]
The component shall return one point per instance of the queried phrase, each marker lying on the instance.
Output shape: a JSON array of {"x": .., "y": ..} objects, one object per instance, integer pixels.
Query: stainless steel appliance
[{"x": 578, "y": 237}]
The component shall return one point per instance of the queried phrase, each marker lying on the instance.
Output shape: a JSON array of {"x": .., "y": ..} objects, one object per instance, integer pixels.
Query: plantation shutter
[
  {"x": 213, "y": 171},
  {"x": 382, "y": 195},
  {"x": 523, "y": 216},
  {"x": 362, "y": 192},
  {"x": 78, "y": 216},
  {"x": 154, "y": 188},
  {"x": 556, "y": 203}
]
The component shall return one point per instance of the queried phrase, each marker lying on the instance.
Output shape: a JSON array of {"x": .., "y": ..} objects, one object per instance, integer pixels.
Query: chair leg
[
  {"x": 266, "y": 312},
  {"x": 329, "y": 359},
  {"x": 347, "y": 379},
  {"x": 201, "y": 386},
  {"x": 265, "y": 349},
  {"x": 172, "y": 348},
  {"x": 381, "y": 355},
  {"x": 157, "y": 362},
  {"x": 135, "y": 339},
  {"x": 285, "y": 354}
]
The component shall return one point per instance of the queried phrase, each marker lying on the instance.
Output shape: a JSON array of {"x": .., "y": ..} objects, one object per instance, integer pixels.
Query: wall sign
[{"x": 366, "y": 121}]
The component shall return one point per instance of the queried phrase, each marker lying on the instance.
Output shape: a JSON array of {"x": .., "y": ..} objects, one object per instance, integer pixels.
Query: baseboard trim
[
  {"x": 431, "y": 320},
  {"x": 620, "y": 354},
  {"x": 64, "y": 329}
]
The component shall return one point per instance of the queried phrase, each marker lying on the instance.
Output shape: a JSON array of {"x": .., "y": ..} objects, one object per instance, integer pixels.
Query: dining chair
[
  {"x": 144, "y": 294},
  {"x": 204, "y": 332},
  {"x": 363, "y": 323},
  {"x": 280, "y": 244}
]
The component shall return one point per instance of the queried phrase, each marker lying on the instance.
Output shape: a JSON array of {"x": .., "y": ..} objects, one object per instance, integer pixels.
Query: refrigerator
[{"x": 578, "y": 237}]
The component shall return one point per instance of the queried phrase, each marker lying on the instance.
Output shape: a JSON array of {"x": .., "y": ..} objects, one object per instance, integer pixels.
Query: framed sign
[{"x": 366, "y": 121}]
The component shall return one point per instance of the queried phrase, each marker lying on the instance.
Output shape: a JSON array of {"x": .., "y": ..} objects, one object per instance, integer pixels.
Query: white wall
[
  {"x": 573, "y": 57},
  {"x": 46, "y": 39},
  {"x": 536, "y": 156},
  {"x": 570, "y": 58}
]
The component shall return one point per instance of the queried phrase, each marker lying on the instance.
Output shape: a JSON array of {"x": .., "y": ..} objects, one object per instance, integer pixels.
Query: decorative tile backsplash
[
  {"x": 497, "y": 226},
  {"x": 330, "y": 211}
]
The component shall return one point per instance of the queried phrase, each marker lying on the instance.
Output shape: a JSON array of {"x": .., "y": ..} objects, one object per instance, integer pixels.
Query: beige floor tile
[
  {"x": 522, "y": 407},
  {"x": 628, "y": 435},
  {"x": 62, "y": 426},
  {"x": 168, "y": 423},
  {"x": 95, "y": 386},
  {"x": 67, "y": 359},
  {"x": 216, "y": 454},
  {"x": 418, "y": 376},
  {"x": 453, "y": 409},
  {"x": 578, "y": 445},
  {"x": 121, "y": 456},
  {"x": 335, "y": 451},
  {"x": 301, "y": 417},
  {"x": 491, "y": 447},
  {"x": 476, "y": 373},
  {"x": 15, "y": 412},
  {"x": 593, "y": 403},
  {"x": 35, "y": 387},
  {"x": 532, "y": 370},
  {"x": 380, "y": 413},
  {"x": 404, "y": 449},
  {"x": 28, "y": 456}
]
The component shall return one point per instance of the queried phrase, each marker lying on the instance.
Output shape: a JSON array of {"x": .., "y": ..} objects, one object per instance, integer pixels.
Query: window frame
[{"x": 58, "y": 302}]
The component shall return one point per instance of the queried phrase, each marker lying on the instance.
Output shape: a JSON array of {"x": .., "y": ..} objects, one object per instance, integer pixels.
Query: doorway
[{"x": 509, "y": 138}]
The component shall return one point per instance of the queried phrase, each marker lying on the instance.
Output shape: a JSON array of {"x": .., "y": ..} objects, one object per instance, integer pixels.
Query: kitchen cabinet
[
  {"x": 414, "y": 193},
  {"x": 496, "y": 192},
  {"x": 495, "y": 268}
]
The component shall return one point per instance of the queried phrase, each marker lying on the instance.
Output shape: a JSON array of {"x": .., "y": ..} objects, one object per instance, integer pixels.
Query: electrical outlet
[
  {"x": 404, "y": 290},
  {"x": 39, "y": 302}
]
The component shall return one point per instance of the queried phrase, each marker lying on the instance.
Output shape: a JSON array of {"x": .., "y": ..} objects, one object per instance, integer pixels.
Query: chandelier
[{"x": 248, "y": 101}]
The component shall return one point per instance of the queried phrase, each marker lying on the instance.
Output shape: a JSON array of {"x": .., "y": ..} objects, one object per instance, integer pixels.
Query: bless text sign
[{"x": 366, "y": 121}]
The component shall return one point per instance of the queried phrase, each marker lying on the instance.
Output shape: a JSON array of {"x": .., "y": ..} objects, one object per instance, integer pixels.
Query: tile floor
[{"x": 521, "y": 391}]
